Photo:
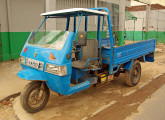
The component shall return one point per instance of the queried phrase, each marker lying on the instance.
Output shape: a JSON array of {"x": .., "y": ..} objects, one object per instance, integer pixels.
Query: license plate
[{"x": 33, "y": 63}]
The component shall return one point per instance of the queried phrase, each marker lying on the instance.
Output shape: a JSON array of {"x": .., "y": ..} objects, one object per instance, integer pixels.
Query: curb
[{"x": 10, "y": 96}]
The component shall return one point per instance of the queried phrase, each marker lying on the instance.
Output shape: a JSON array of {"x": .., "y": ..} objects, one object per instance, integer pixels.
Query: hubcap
[
  {"x": 34, "y": 100},
  {"x": 136, "y": 74}
]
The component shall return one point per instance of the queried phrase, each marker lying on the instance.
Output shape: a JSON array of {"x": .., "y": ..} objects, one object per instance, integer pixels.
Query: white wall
[
  {"x": 156, "y": 19},
  {"x": 139, "y": 24},
  {"x": 3, "y": 16},
  {"x": 24, "y": 15}
]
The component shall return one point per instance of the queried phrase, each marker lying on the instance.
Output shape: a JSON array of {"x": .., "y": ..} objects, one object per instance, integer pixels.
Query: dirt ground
[
  {"x": 9, "y": 79},
  {"x": 7, "y": 113},
  {"x": 91, "y": 103}
]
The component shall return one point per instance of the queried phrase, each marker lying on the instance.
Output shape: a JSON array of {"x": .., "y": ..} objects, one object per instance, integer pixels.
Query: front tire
[
  {"x": 29, "y": 98},
  {"x": 133, "y": 75}
]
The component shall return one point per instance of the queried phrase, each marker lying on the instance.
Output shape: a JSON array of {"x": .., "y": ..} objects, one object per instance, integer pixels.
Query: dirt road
[
  {"x": 127, "y": 105},
  {"x": 113, "y": 101}
]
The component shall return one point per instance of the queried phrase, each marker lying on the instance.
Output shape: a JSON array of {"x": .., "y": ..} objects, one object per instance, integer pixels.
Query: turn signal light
[
  {"x": 51, "y": 57},
  {"x": 25, "y": 49}
]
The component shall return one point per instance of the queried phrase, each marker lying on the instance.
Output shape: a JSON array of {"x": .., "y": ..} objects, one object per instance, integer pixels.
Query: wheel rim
[
  {"x": 136, "y": 74},
  {"x": 33, "y": 100}
]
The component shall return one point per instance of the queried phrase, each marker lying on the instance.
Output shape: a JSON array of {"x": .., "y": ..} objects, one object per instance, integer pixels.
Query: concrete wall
[
  {"x": 60, "y": 24},
  {"x": 156, "y": 23},
  {"x": 17, "y": 19},
  {"x": 156, "y": 19}
]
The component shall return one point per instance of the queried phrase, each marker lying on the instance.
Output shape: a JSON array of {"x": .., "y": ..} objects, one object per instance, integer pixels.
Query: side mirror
[{"x": 82, "y": 38}]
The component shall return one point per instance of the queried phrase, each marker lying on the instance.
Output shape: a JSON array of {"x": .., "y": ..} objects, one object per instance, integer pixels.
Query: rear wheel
[
  {"x": 133, "y": 75},
  {"x": 34, "y": 96}
]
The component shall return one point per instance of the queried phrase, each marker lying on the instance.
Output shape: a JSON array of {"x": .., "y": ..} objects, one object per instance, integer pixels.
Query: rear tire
[
  {"x": 133, "y": 75},
  {"x": 29, "y": 97}
]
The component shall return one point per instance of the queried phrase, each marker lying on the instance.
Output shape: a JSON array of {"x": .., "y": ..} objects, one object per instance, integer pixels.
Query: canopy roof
[{"x": 74, "y": 12}]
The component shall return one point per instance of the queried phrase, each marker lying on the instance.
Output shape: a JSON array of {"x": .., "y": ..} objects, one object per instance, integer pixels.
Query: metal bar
[
  {"x": 86, "y": 23},
  {"x": 57, "y": 17},
  {"x": 67, "y": 24},
  {"x": 41, "y": 24},
  {"x": 101, "y": 41},
  {"x": 74, "y": 24},
  {"x": 90, "y": 60},
  {"x": 98, "y": 30},
  {"x": 102, "y": 32},
  {"x": 79, "y": 22}
]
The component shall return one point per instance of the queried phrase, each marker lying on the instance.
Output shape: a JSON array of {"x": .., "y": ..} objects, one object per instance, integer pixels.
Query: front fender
[{"x": 31, "y": 74}]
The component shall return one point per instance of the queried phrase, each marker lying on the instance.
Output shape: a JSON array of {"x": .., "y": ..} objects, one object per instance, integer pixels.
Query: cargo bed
[{"x": 126, "y": 53}]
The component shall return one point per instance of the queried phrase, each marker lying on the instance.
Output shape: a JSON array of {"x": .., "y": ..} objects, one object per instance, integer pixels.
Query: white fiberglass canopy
[{"x": 74, "y": 12}]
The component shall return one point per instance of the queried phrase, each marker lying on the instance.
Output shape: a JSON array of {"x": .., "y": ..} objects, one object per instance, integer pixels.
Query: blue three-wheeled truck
[{"x": 67, "y": 62}]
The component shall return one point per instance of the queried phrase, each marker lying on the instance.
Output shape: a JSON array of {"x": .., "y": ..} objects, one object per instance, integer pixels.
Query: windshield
[{"x": 54, "y": 39}]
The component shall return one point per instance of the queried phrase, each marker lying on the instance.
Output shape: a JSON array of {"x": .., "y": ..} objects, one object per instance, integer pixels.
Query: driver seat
[{"x": 89, "y": 51}]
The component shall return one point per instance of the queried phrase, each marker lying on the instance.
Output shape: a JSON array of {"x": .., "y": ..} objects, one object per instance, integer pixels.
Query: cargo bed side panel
[{"x": 126, "y": 53}]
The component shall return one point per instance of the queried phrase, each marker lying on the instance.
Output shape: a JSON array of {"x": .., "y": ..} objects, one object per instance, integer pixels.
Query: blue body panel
[
  {"x": 29, "y": 73},
  {"x": 77, "y": 73},
  {"x": 125, "y": 54}
]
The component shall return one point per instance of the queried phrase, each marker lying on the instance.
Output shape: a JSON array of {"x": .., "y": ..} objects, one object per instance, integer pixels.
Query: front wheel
[
  {"x": 34, "y": 96},
  {"x": 133, "y": 75}
]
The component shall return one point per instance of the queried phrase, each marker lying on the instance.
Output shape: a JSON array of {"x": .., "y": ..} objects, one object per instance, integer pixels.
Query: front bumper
[{"x": 31, "y": 74}]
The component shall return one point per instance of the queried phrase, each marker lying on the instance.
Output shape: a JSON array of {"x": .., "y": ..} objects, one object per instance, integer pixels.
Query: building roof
[
  {"x": 73, "y": 12},
  {"x": 143, "y": 7}
]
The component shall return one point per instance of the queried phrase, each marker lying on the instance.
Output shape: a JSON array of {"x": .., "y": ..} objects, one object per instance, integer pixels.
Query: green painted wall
[
  {"x": 12, "y": 44},
  {"x": 5, "y": 46},
  {"x": 140, "y": 35},
  {"x": 18, "y": 40},
  {"x": 1, "y": 58},
  {"x": 93, "y": 35}
]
